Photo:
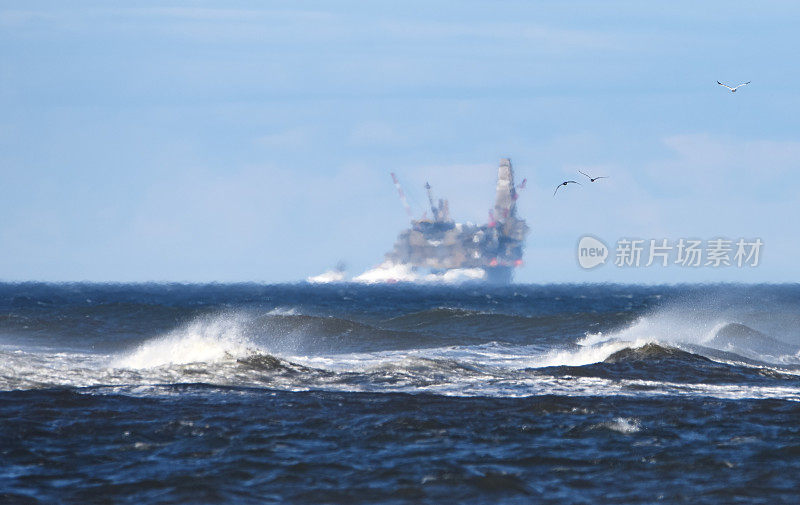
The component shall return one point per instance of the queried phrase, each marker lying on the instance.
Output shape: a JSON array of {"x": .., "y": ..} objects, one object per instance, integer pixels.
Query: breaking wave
[
  {"x": 203, "y": 341},
  {"x": 715, "y": 338},
  {"x": 283, "y": 349}
]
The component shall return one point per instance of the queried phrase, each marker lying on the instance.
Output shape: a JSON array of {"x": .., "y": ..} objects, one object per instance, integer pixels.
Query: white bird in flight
[{"x": 733, "y": 90}]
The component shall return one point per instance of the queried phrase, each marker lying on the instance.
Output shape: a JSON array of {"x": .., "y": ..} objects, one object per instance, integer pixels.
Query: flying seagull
[
  {"x": 564, "y": 184},
  {"x": 733, "y": 90},
  {"x": 592, "y": 179}
]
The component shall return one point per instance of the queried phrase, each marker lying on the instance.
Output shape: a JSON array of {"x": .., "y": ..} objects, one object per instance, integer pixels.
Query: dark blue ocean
[{"x": 201, "y": 394}]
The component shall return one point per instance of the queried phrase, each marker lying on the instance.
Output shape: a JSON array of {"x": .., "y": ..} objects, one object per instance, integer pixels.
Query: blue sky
[{"x": 252, "y": 141}]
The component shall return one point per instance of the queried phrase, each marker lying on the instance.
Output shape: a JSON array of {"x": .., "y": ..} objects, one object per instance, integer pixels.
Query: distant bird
[
  {"x": 564, "y": 184},
  {"x": 733, "y": 90},
  {"x": 592, "y": 179}
]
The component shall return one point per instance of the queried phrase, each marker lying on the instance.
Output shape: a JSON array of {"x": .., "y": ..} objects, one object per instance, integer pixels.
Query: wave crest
[
  {"x": 205, "y": 340},
  {"x": 652, "y": 352}
]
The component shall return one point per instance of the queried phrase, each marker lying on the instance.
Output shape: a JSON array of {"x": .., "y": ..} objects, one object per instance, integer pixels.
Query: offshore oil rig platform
[{"x": 439, "y": 246}]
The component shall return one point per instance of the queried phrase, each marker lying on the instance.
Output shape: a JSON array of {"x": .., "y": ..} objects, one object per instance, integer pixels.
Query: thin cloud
[
  {"x": 291, "y": 138},
  {"x": 375, "y": 133},
  {"x": 538, "y": 37},
  {"x": 706, "y": 164}
]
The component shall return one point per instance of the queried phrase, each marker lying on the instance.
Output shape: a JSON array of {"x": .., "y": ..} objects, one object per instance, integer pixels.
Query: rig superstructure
[{"x": 440, "y": 245}]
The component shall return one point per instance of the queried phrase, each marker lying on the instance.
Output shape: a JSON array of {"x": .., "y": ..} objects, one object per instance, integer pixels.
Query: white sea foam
[
  {"x": 488, "y": 357},
  {"x": 666, "y": 327},
  {"x": 624, "y": 425},
  {"x": 211, "y": 348},
  {"x": 412, "y": 372},
  {"x": 283, "y": 311},
  {"x": 587, "y": 354},
  {"x": 689, "y": 330},
  {"x": 327, "y": 277},
  {"x": 203, "y": 341},
  {"x": 388, "y": 272}
]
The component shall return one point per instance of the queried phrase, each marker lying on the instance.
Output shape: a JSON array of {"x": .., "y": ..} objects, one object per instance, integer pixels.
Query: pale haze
[{"x": 253, "y": 141}]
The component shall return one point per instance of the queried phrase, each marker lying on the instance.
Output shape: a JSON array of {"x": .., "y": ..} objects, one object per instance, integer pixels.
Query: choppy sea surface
[{"x": 161, "y": 394}]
